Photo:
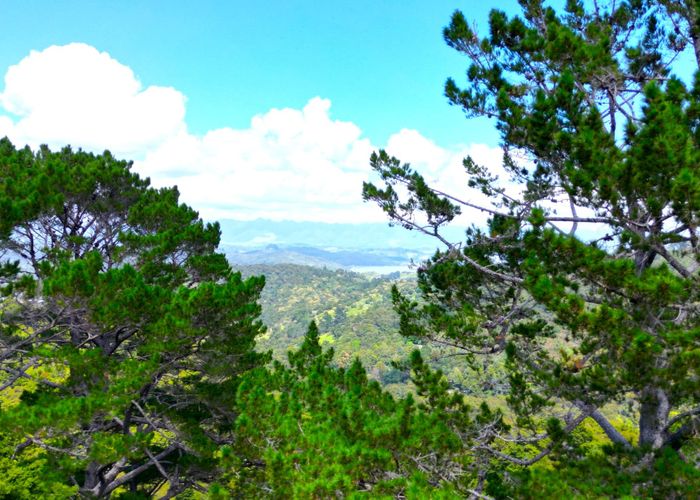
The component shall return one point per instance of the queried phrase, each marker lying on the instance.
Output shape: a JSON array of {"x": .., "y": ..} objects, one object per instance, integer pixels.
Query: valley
[{"x": 356, "y": 318}]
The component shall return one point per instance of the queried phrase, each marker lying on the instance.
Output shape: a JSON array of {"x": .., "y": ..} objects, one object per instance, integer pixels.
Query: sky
[{"x": 253, "y": 109}]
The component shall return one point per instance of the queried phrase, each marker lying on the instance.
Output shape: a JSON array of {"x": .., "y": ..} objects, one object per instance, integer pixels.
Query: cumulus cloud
[
  {"x": 74, "y": 94},
  {"x": 289, "y": 164},
  {"x": 443, "y": 169}
]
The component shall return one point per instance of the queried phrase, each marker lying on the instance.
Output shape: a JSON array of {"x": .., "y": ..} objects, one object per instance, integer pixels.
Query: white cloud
[
  {"x": 264, "y": 239},
  {"x": 443, "y": 168},
  {"x": 74, "y": 94},
  {"x": 297, "y": 164},
  {"x": 289, "y": 164}
]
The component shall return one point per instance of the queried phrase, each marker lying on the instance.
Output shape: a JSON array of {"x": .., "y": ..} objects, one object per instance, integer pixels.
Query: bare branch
[
  {"x": 681, "y": 416},
  {"x": 135, "y": 472},
  {"x": 547, "y": 450},
  {"x": 605, "y": 424}
]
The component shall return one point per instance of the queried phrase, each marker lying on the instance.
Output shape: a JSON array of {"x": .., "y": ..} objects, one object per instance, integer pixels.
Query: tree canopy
[
  {"x": 313, "y": 430},
  {"x": 122, "y": 329},
  {"x": 586, "y": 272},
  {"x": 128, "y": 366}
]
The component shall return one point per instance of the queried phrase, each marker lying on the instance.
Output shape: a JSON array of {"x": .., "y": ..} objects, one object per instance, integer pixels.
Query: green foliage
[
  {"x": 353, "y": 308},
  {"x": 123, "y": 332},
  {"x": 356, "y": 311},
  {"x": 30, "y": 473},
  {"x": 596, "y": 131},
  {"x": 315, "y": 430},
  {"x": 598, "y": 476},
  {"x": 128, "y": 365}
]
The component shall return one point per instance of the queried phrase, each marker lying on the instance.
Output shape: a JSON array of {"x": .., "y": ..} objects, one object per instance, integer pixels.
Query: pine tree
[
  {"x": 122, "y": 330},
  {"x": 586, "y": 273},
  {"x": 313, "y": 430}
]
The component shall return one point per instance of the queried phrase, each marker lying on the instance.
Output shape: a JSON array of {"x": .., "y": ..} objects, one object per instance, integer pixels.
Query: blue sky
[
  {"x": 202, "y": 71},
  {"x": 382, "y": 63}
]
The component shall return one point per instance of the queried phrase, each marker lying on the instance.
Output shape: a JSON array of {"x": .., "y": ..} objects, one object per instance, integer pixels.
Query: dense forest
[
  {"x": 353, "y": 312},
  {"x": 136, "y": 362},
  {"x": 355, "y": 316}
]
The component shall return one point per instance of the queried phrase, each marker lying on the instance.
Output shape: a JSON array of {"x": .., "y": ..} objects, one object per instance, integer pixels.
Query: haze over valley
[{"x": 372, "y": 247}]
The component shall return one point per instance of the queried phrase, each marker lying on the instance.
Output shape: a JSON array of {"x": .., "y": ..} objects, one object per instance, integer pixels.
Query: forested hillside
[
  {"x": 353, "y": 311},
  {"x": 551, "y": 352},
  {"x": 355, "y": 315}
]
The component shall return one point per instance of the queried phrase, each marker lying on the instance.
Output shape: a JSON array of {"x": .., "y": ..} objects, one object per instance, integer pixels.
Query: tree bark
[
  {"x": 92, "y": 479},
  {"x": 695, "y": 30},
  {"x": 653, "y": 417},
  {"x": 612, "y": 433}
]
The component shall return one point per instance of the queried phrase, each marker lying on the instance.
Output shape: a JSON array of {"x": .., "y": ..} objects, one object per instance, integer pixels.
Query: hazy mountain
[
  {"x": 376, "y": 247},
  {"x": 380, "y": 260},
  {"x": 262, "y": 232}
]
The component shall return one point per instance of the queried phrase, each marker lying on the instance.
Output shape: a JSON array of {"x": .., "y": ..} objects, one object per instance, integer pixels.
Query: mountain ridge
[
  {"x": 366, "y": 236},
  {"x": 375, "y": 247}
]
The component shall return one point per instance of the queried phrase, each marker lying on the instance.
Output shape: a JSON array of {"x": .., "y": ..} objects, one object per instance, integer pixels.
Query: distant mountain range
[
  {"x": 377, "y": 260},
  {"x": 349, "y": 246},
  {"x": 261, "y": 232}
]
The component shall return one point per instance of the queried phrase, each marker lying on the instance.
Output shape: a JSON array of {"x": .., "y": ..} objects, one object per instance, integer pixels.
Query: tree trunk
[
  {"x": 653, "y": 417},
  {"x": 91, "y": 485},
  {"x": 694, "y": 25}
]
